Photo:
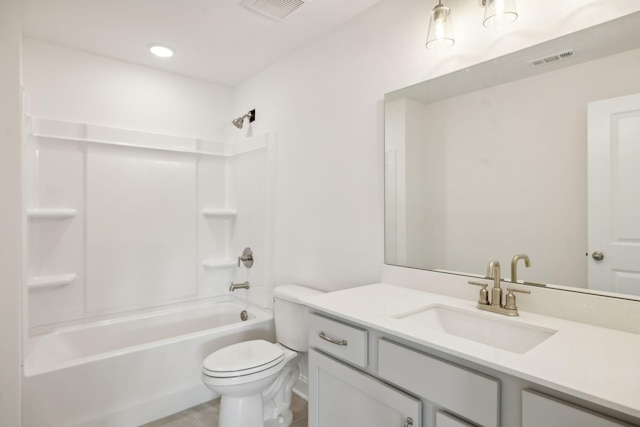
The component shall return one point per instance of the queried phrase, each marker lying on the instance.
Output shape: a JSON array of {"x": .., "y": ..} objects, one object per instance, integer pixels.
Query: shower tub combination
[
  {"x": 133, "y": 369},
  {"x": 131, "y": 244}
]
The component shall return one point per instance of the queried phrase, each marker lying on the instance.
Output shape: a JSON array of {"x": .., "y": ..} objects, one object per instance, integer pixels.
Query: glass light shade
[
  {"x": 499, "y": 13},
  {"x": 440, "y": 34}
]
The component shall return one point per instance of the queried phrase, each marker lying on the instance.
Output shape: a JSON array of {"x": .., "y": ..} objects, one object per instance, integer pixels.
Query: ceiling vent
[
  {"x": 553, "y": 58},
  {"x": 274, "y": 9}
]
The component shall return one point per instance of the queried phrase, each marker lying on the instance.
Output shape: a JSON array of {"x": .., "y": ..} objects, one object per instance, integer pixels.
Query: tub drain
[{"x": 243, "y": 315}]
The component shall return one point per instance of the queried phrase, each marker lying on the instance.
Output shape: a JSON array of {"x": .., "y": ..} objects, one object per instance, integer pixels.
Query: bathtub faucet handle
[
  {"x": 246, "y": 258},
  {"x": 235, "y": 286}
]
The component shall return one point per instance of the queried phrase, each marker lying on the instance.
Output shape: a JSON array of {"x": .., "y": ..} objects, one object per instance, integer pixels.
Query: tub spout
[{"x": 235, "y": 286}]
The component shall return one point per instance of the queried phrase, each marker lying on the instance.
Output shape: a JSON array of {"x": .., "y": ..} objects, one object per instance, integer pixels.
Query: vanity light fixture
[
  {"x": 440, "y": 33},
  {"x": 160, "y": 50},
  {"x": 499, "y": 13}
]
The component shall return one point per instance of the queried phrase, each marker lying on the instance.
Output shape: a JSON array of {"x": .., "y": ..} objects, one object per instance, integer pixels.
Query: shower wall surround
[
  {"x": 124, "y": 215},
  {"x": 121, "y": 220}
]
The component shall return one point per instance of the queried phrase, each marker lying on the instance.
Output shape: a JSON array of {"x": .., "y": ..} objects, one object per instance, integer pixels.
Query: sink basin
[{"x": 504, "y": 334}]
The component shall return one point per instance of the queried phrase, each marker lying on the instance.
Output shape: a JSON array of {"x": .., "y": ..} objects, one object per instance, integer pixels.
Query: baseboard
[
  {"x": 301, "y": 387},
  {"x": 154, "y": 409}
]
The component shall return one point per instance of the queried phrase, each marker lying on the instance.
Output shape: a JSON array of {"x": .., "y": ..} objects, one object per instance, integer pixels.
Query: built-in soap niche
[{"x": 122, "y": 220}]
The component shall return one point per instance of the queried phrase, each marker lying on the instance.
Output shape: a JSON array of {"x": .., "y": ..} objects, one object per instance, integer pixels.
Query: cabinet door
[
  {"x": 343, "y": 396},
  {"x": 539, "y": 410}
]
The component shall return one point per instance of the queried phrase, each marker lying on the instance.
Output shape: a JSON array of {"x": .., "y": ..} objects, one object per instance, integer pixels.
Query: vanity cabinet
[
  {"x": 347, "y": 390},
  {"x": 362, "y": 377},
  {"x": 540, "y": 410},
  {"x": 344, "y": 396}
]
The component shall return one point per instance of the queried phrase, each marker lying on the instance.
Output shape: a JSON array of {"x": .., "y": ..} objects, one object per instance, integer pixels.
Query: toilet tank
[{"x": 291, "y": 315}]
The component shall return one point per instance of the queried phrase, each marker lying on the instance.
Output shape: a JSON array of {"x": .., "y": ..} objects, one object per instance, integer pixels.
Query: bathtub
[{"x": 133, "y": 369}]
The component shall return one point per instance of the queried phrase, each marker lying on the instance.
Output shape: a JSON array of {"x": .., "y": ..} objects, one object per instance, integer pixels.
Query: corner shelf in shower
[
  {"x": 51, "y": 213},
  {"x": 220, "y": 213},
  {"x": 219, "y": 263},
  {"x": 50, "y": 282}
]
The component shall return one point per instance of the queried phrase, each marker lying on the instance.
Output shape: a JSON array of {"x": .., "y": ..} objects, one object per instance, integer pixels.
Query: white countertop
[{"x": 592, "y": 363}]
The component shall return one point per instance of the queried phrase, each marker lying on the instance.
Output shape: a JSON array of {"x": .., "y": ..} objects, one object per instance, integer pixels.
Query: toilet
[{"x": 255, "y": 378}]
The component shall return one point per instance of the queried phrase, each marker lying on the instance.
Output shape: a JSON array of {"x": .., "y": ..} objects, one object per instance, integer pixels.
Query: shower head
[{"x": 239, "y": 122}]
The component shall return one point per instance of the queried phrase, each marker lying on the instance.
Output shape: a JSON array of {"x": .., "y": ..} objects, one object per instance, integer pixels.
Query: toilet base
[
  {"x": 277, "y": 398},
  {"x": 284, "y": 420},
  {"x": 241, "y": 411}
]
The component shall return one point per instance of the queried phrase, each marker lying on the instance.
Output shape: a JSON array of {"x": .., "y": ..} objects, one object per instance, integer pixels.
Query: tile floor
[{"x": 206, "y": 415}]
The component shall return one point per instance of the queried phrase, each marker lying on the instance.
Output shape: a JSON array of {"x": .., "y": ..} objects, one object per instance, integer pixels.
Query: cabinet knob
[{"x": 408, "y": 422}]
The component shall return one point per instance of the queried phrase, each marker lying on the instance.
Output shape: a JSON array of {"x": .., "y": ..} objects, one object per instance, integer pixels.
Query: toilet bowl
[{"x": 255, "y": 378}]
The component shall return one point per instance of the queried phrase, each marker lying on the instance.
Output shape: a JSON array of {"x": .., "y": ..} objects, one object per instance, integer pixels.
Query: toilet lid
[{"x": 243, "y": 358}]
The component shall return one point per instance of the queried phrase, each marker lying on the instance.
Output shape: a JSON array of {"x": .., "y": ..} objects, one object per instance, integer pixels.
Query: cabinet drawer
[
  {"x": 540, "y": 410},
  {"x": 471, "y": 395},
  {"x": 339, "y": 339},
  {"x": 447, "y": 420}
]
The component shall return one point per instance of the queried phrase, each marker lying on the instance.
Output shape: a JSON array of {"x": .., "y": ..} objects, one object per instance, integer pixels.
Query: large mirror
[{"x": 534, "y": 153}]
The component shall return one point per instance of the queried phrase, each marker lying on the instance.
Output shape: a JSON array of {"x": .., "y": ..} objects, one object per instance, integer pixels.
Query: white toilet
[{"x": 255, "y": 378}]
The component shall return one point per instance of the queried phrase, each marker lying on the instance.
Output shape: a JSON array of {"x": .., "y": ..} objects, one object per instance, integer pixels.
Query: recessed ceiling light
[{"x": 160, "y": 50}]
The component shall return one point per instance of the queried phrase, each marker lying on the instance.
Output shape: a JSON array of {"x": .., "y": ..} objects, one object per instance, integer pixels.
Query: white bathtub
[{"x": 131, "y": 370}]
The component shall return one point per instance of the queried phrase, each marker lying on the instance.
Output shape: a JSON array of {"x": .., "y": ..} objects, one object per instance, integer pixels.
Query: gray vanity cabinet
[
  {"x": 340, "y": 395},
  {"x": 364, "y": 378},
  {"x": 358, "y": 379},
  {"x": 540, "y": 410}
]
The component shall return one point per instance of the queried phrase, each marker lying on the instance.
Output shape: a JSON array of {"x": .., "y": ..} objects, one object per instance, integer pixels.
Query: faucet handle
[
  {"x": 510, "y": 299},
  {"x": 518, "y": 290},
  {"x": 483, "y": 296},
  {"x": 246, "y": 258}
]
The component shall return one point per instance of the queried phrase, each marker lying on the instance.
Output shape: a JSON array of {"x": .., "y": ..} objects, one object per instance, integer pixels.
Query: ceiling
[{"x": 219, "y": 41}]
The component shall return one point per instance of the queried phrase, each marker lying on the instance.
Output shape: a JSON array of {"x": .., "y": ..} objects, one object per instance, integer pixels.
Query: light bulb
[
  {"x": 499, "y": 13},
  {"x": 160, "y": 50}
]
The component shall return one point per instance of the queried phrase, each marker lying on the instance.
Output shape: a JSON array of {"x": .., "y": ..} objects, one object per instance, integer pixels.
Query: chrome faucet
[
  {"x": 514, "y": 265},
  {"x": 494, "y": 304},
  {"x": 235, "y": 286}
]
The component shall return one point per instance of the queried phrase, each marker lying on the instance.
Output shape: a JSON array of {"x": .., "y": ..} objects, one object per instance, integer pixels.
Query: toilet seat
[{"x": 244, "y": 358}]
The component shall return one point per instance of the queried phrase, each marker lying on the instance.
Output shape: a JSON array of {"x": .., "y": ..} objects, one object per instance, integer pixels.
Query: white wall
[
  {"x": 326, "y": 103},
  {"x": 10, "y": 213},
  {"x": 70, "y": 85}
]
